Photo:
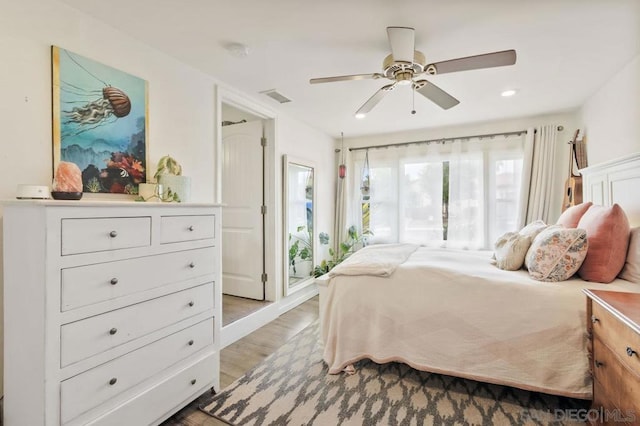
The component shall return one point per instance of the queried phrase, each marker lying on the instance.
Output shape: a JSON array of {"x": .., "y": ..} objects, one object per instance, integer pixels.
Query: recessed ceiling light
[
  {"x": 508, "y": 93},
  {"x": 238, "y": 50},
  {"x": 360, "y": 116}
]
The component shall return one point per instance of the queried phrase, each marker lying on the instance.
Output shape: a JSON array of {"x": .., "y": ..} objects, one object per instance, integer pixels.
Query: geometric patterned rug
[{"x": 292, "y": 387}]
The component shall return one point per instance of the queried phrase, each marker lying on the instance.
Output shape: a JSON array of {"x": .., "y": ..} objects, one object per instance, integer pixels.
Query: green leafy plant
[
  {"x": 345, "y": 249},
  {"x": 167, "y": 165},
  {"x": 300, "y": 249}
]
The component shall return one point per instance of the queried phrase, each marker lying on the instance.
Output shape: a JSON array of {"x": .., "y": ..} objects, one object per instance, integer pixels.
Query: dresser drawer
[
  {"x": 159, "y": 401},
  {"x": 100, "y": 234},
  {"x": 86, "y": 285},
  {"x": 620, "y": 384},
  {"x": 90, "y": 336},
  {"x": 175, "y": 229},
  {"x": 92, "y": 388},
  {"x": 620, "y": 338}
]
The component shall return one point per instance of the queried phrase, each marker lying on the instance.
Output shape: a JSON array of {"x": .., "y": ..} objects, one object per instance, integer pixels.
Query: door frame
[{"x": 269, "y": 119}]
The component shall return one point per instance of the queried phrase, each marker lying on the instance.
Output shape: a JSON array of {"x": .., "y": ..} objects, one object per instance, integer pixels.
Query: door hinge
[
  {"x": 263, "y": 141},
  {"x": 264, "y": 278},
  {"x": 263, "y": 209}
]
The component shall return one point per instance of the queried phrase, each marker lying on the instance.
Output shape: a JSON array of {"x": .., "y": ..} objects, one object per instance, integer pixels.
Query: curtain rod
[{"x": 442, "y": 140}]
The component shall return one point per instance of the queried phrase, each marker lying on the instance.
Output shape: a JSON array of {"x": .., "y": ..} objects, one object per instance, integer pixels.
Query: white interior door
[{"x": 242, "y": 219}]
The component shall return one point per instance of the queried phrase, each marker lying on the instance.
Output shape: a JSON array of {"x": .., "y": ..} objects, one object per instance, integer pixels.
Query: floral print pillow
[{"x": 557, "y": 253}]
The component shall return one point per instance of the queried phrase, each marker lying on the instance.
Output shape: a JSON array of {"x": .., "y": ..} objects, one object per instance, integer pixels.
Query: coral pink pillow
[
  {"x": 571, "y": 216},
  {"x": 608, "y": 234}
]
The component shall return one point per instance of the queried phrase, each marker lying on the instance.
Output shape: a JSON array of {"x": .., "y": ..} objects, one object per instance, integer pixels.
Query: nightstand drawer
[
  {"x": 86, "y": 285},
  {"x": 101, "y": 234},
  {"x": 92, "y": 388},
  {"x": 621, "y": 386},
  {"x": 621, "y": 339},
  {"x": 175, "y": 229},
  {"x": 90, "y": 336}
]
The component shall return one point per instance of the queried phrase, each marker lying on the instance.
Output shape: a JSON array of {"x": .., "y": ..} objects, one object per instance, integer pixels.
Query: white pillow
[
  {"x": 557, "y": 253},
  {"x": 538, "y": 232},
  {"x": 631, "y": 269},
  {"x": 510, "y": 250},
  {"x": 533, "y": 229}
]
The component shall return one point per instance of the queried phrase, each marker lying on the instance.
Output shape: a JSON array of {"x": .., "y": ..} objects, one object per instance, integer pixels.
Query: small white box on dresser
[{"x": 111, "y": 310}]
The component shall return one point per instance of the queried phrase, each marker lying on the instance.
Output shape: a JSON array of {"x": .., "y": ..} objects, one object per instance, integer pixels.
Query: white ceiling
[{"x": 566, "y": 50}]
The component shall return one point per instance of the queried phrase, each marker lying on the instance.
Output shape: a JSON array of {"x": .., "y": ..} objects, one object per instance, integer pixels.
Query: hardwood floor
[
  {"x": 241, "y": 356},
  {"x": 234, "y": 308}
]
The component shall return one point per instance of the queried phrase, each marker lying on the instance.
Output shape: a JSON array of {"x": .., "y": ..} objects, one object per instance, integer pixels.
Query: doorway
[{"x": 244, "y": 228}]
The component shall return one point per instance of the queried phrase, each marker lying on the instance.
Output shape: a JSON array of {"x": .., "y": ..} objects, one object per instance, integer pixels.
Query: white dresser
[{"x": 111, "y": 310}]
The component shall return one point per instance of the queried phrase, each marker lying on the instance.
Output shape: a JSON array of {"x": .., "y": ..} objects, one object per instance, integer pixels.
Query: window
[{"x": 462, "y": 194}]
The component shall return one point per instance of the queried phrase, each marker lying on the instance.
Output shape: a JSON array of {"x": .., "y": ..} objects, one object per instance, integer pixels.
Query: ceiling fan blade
[
  {"x": 345, "y": 78},
  {"x": 487, "y": 60},
  {"x": 435, "y": 94},
  {"x": 402, "y": 43},
  {"x": 373, "y": 100}
]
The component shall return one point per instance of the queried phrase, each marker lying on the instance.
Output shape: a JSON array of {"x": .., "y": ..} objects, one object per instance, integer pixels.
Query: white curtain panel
[
  {"x": 410, "y": 186},
  {"x": 542, "y": 163}
]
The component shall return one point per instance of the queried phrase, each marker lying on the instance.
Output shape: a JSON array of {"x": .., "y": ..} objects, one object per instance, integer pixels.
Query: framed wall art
[{"x": 100, "y": 117}]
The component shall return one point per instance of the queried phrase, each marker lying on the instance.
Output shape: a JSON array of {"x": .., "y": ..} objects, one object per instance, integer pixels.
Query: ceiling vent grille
[{"x": 276, "y": 96}]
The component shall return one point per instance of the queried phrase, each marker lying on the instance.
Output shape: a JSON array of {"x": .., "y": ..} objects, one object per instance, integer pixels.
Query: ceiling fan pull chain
[{"x": 413, "y": 99}]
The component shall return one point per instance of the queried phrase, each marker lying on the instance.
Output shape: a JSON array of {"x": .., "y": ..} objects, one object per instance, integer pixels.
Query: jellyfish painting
[{"x": 100, "y": 117}]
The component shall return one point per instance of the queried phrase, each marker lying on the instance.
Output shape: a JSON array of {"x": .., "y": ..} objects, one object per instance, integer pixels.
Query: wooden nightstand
[{"x": 613, "y": 325}]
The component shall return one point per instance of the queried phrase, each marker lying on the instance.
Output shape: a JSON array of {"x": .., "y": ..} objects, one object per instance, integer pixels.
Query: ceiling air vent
[{"x": 279, "y": 97}]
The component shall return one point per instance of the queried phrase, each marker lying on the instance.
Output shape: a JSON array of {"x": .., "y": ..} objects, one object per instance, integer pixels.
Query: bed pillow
[
  {"x": 546, "y": 227},
  {"x": 608, "y": 232},
  {"x": 533, "y": 229},
  {"x": 631, "y": 269},
  {"x": 557, "y": 253},
  {"x": 571, "y": 216},
  {"x": 510, "y": 250}
]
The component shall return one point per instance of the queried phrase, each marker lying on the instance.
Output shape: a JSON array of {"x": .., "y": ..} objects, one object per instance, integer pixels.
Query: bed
[{"x": 453, "y": 312}]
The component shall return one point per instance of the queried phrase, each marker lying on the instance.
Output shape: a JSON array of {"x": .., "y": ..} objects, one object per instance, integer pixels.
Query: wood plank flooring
[
  {"x": 234, "y": 308},
  {"x": 241, "y": 356}
]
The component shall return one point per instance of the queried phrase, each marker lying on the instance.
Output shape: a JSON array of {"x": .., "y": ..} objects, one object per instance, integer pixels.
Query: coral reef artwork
[{"x": 99, "y": 122}]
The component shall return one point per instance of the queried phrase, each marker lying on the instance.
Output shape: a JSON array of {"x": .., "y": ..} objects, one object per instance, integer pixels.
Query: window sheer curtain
[
  {"x": 539, "y": 164},
  {"x": 461, "y": 194}
]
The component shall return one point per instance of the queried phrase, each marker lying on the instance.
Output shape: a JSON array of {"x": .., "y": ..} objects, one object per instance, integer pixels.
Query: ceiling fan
[{"x": 404, "y": 65}]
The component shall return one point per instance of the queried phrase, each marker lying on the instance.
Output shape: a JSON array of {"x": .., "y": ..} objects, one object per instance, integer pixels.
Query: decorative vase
[
  {"x": 150, "y": 192},
  {"x": 172, "y": 184}
]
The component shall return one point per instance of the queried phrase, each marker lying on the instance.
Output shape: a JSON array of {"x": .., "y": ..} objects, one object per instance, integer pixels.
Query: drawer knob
[
  {"x": 191, "y": 303},
  {"x": 594, "y": 319},
  {"x": 193, "y": 381},
  {"x": 631, "y": 352},
  {"x": 191, "y": 342},
  {"x": 191, "y": 228},
  {"x": 192, "y": 265},
  {"x": 113, "y": 381},
  {"x": 113, "y": 234},
  {"x": 598, "y": 364},
  {"x": 114, "y": 281},
  {"x": 113, "y": 331}
]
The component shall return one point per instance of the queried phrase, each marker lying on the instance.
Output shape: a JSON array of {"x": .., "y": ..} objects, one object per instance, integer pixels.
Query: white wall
[
  {"x": 182, "y": 104},
  {"x": 611, "y": 117},
  {"x": 567, "y": 120}
]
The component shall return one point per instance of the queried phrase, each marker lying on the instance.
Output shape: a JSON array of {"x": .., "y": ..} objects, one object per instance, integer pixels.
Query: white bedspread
[
  {"x": 380, "y": 260},
  {"x": 452, "y": 312}
]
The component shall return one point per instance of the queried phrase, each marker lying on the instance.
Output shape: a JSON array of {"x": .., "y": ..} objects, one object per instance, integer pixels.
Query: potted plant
[
  {"x": 353, "y": 241},
  {"x": 175, "y": 186}
]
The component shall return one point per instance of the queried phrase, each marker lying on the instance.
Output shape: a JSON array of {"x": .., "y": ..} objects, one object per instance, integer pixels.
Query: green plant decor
[
  {"x": 300, "y": 249},
  {"x": 345, "y": 249},
  {"x": 167, "y": 165}
]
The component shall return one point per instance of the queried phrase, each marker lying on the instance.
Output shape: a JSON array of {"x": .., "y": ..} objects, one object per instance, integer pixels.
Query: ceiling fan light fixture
[{"x": 360, "y": 115}]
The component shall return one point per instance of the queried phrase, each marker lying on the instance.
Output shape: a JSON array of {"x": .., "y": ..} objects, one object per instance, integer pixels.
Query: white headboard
[{"x": 616, "y": 181}]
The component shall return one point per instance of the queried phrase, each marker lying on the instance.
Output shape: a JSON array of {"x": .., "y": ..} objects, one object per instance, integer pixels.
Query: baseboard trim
[{"x": 244, "y": 326}]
